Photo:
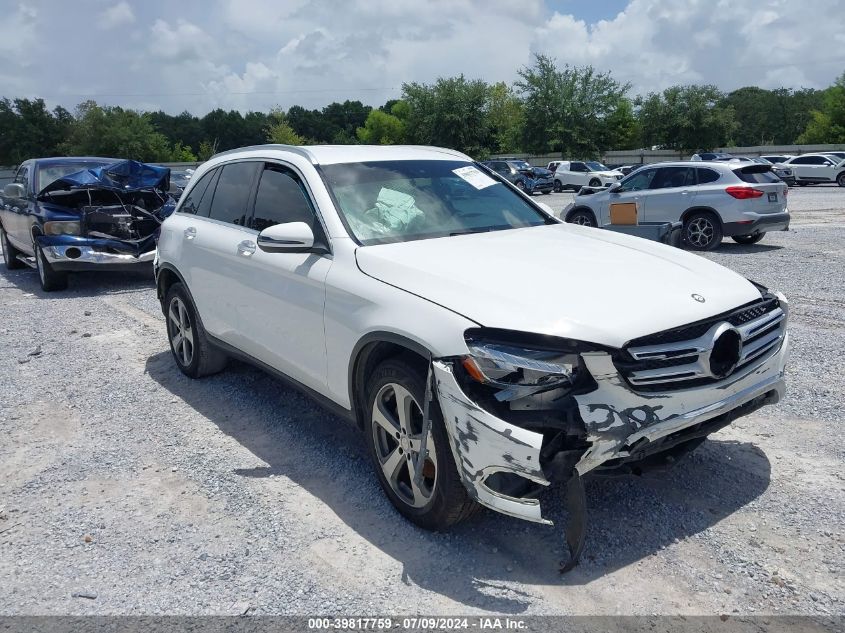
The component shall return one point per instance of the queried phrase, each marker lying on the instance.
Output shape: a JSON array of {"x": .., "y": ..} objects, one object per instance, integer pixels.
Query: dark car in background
[
  {"x": 524, "y": 175},
  {"x": 73, "y": 214}
]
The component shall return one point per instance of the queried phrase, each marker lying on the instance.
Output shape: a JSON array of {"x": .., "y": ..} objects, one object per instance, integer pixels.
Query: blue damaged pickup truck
[{"x": 74, "y": 214}]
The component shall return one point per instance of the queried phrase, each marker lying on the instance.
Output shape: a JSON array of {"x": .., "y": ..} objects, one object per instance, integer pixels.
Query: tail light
[{"x": 744, "y": 193}]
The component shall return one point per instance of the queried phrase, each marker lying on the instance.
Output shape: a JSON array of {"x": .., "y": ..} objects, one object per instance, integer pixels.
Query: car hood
[
  {"x": 609, "y": 174},
  {"x": 561, "y": 280}
]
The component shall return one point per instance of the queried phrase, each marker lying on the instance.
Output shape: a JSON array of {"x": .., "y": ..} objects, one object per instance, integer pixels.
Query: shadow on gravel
[
  {"x": 84, "y": 284},
  {"x": 732, "y": 248},
  {"x": 479, "y": 562}
]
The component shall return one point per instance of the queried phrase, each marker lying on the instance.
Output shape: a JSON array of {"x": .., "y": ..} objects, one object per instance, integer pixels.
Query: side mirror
[
  {"x": 14, "y": 190},
  {"x": 289, "y": 237},
  {"x": 616, "y": 186}
]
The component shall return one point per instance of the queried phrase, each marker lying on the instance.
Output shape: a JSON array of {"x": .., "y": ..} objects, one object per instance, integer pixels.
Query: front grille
[{"x": 688, "y": 356}]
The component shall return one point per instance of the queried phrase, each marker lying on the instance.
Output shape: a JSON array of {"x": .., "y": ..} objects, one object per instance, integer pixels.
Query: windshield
[
  {"x": 761, "y": 160},
  {"x": 400, "y": 201},
  {"x": 521, "y": 164},
  {"x": 53, "y": 171},
  {"x": 594, "y": 166}
]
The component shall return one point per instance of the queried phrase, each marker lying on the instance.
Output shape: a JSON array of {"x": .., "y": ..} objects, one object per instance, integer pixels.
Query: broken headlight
[{"x": 516, "y": 371}]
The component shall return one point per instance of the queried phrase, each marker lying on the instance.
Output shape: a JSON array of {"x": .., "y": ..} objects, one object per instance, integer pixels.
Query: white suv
[
  {"x": 418, "y": 296},
  {"x": 812, "y": 169},
  {"x": 574, "y": 174}
]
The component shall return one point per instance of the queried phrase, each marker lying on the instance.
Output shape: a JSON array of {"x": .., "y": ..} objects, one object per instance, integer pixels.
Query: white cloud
[
  {"x": 254, "y": 54},
  {"x": 117, "y": 15}
]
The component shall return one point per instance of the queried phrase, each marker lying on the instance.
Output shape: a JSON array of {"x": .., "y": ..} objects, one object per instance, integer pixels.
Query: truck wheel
[
  {"x": 194, "y": 354},
  {"x": 595, "y": 182},
  {"x": 393, "y": 431},
  {"x": 520, "y": 185},
  {"x": 584, "y": 218},
  {"x": 50, "y": 278},
  {"x": 558, "y": 186},
  {"x": 702, "y": 232},
  {"x": 10, "y": 253},
  {"x": 749, "y": 239}
]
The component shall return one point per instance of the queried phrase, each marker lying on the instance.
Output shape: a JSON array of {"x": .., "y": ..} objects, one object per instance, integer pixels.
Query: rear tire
[
  {"x": 749, "y": 239},
  {"x": 49, "y": 278},
  {"x": 702, "y": 232},
  {"x": 441, "y": 500},
  {"x": 193, "y": 352},
  {"x": 10, "y": 253},
  {"x": 584, "y": 218}
]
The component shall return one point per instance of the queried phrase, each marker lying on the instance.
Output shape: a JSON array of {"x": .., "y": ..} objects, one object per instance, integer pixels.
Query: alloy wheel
[
  {"x": 181, "y": 332},
  {"x": 397, "y": 438},
  {"x": 700, "y": 232}
]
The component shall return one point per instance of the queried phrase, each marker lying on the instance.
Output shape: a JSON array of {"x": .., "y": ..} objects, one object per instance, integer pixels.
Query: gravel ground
[{"x": 126, "y": 488}]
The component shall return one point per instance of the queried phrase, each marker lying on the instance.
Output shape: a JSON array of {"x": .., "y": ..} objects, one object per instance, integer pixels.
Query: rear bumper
[{"x": 757, "y": 223}]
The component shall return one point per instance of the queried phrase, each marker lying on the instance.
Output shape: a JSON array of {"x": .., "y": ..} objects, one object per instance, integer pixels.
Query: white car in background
[
  {"x": 810, "y": 169},
  {"x": 408, "y": 290},
  {"x": 575, "y": 174}
]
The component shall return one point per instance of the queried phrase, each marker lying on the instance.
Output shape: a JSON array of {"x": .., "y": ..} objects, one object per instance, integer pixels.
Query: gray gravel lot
[{"x": 127, "y": 488}]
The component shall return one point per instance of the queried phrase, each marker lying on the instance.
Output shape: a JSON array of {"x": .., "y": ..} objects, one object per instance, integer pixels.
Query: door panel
[{"x": 671, "y": 192}]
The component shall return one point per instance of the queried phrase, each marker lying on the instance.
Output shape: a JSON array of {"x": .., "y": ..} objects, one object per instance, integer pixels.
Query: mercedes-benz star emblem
[
  {"x": 726, "y": 352},
  {"x": 698, "y": 298}
]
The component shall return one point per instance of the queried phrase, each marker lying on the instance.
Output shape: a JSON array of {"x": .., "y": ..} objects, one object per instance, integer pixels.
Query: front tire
[
  {"x": 558, "y": 186},
  {"x": 749, "y": 239},
  {"x": 10, "y": 253},
  {"x": 840, "y": 179},
  {"x": 595, "y": 182},
  {"x": 49, "y": 278},
  {"x": 584, "y": 218},
  {"x": 393, "y": 428},
  {"x": 702, "y": 232},
  {"x": 193, "y": 352}
]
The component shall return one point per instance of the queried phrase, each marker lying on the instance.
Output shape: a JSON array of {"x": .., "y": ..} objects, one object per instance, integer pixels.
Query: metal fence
[{"x": 645, "y": 156}]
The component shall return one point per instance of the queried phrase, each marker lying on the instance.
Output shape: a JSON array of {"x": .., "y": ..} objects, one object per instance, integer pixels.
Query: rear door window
[
  {"x": 706, "y": 176},
  {"x": 281, "y": 198},
  {"x": 191, "y": 203},
  {"x": 232, "y": 193},
  {"x": 672, "y": 177}
]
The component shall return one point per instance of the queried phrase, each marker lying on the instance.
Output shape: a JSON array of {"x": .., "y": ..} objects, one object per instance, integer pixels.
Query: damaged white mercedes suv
[{"x": 484, "y": 348}]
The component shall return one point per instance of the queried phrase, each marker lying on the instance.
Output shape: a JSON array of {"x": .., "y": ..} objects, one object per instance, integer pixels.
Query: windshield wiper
[{"x": 469, "y": 231}]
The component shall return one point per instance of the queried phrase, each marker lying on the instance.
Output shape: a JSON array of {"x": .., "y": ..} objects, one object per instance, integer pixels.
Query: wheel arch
[
  {"x": 581, "y": 208},
  {"x": 372, "y": 349},
  {"x": 686, "y": 214},
  {"x": 167, "y": 276}
]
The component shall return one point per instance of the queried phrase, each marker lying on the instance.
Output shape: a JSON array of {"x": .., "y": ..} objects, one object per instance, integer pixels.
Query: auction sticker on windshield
[{"x": 474, "y": 176}]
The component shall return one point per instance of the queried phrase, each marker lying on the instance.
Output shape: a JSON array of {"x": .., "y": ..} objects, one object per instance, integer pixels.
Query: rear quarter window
[
  {"x": 756, "y": 177},
  {"x": 706, "y": 176}
]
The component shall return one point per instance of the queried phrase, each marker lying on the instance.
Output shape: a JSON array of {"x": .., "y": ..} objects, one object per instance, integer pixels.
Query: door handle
[
  {"x": 190, "y": 233},
  {"x": 685, "y": 193},
  {"x": 246, "y": 248}
]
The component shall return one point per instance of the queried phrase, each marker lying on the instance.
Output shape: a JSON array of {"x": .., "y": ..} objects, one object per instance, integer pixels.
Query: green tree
[
  {"x": 30, "y": 130},
  {"x": 686, "y": 118},
  {"x": 452, "y": 112},
  {"x": 381, "y": 128},
  {"x": 827, "y": 124},
  {"x": 566, "y": 110},
  {"x": 118, "y": 133},
  {"x": 280, "y": 131},
  {"x": 506, "y": 119},
  {"x": 206, "y": 150}
]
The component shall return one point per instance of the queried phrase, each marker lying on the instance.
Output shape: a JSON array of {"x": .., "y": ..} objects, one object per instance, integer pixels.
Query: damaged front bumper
[
  {"x": 620, "y": 424},
  {"x": 71, "y": 253}
]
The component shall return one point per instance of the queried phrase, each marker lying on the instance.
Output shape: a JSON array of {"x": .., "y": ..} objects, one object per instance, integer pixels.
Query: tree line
[{"x": 573, "y": 111}]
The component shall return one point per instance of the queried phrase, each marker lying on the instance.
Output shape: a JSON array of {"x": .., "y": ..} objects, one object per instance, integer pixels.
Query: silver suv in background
[{"x": 743, "y": 201}]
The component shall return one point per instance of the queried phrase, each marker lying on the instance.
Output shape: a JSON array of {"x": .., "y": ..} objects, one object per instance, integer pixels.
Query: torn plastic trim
[
  {"x": 617, "y": 418},
  {"x": 483, "y": 444}
]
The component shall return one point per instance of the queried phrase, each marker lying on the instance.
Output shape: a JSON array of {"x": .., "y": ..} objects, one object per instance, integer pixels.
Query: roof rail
[{"x": 295, "y": 149}]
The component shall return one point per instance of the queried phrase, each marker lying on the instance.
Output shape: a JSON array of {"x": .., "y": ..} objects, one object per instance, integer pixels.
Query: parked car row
[
  {"x": 310, "y": 262},
  {"x": 803, "y": 170}
]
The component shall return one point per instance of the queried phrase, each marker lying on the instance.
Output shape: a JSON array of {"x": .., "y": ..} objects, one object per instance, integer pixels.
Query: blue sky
[{"x": 257, "y": 54}]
